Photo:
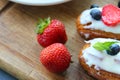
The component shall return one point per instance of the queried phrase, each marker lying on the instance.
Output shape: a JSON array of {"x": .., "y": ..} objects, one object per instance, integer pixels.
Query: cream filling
[
  {"x": 100, "y": 59},
  {"x": 97, "y": 25}
]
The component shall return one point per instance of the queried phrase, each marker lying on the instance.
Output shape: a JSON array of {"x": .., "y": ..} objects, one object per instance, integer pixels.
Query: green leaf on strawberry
[
  {"x": 42, "y": 24},
  {"x": 103, "y": 45}
]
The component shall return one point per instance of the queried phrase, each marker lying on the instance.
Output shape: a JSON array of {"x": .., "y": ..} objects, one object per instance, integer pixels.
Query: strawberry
[
  {"x": 50, "y": 31},
  {"x": 55, "y": 58},
  {"x": 111, "y": 15}
]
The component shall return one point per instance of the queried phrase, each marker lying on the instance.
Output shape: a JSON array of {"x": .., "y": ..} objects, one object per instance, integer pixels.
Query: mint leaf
[
  {"x": 103, "y": 45},
  {"x": 98, "y": 46}
]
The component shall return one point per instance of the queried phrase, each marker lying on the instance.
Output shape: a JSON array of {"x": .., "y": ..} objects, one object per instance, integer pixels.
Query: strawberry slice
[{"x": 111, "y": 15}]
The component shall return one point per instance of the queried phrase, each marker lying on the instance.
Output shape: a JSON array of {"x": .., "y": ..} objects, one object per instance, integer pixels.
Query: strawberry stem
[{"x": 42, "y": 24}]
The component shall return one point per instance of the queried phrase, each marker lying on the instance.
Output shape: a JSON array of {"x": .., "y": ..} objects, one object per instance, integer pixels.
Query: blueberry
[
  {"x": 114, "y": 49},
  {"x": 110, "y": 53},
  {"x": 96, "y": 14},
  {"x": 119, "y": 4},
  {"x": 94, "y": 6}
]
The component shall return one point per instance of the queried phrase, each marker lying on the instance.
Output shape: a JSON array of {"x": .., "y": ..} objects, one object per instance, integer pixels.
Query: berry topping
[
  {"x": 114, "y": 49},
  {"x": 119, "y": 4},
  {"x": 96, "y": 14},
  {"x": 110, "y": 47},
  {"x": 111, "y": 15},
  {"x": 103, "y": 45},
  {"x": 94, "y": 6}
]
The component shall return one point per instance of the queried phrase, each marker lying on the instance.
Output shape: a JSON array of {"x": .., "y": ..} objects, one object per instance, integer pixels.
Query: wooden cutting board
[
  {"x": 3, "y": 3},
  {"x": 19, "y": 50}
]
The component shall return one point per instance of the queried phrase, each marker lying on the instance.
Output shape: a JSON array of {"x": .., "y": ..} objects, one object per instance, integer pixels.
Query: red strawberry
[
  {"x": 111, "y": 15},
  {"x": 50, "y": 31},
  {"x": 55, "y": 57}
]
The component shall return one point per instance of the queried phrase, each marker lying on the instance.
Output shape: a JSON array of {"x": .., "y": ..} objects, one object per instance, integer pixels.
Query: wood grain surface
[
  {"x": 3, "y": 3},
  {"x": 19, "y": 50}
]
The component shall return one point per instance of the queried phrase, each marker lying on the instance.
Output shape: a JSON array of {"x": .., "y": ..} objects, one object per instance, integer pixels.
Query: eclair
[
  {"x": 98, "y": 22},
  {"x": 100, "y": 57}
]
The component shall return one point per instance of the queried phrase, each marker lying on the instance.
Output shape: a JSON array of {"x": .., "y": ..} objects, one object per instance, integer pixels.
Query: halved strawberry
[{"x": 111, "y": 15}]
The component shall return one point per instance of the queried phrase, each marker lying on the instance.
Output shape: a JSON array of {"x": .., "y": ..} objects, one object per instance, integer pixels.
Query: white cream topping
[
  {"x": 97, "y": 25},
  {"x": 100, "y": 59}
]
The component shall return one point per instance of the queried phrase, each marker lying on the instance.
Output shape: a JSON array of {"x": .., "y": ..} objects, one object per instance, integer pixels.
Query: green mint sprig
[{"x": 103, "y": 45}]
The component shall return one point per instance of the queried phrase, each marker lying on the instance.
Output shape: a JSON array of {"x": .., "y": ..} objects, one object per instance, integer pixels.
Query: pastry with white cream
[
  {"x": 99, "y": 22},
  {"x": 100, "y": 57}
]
